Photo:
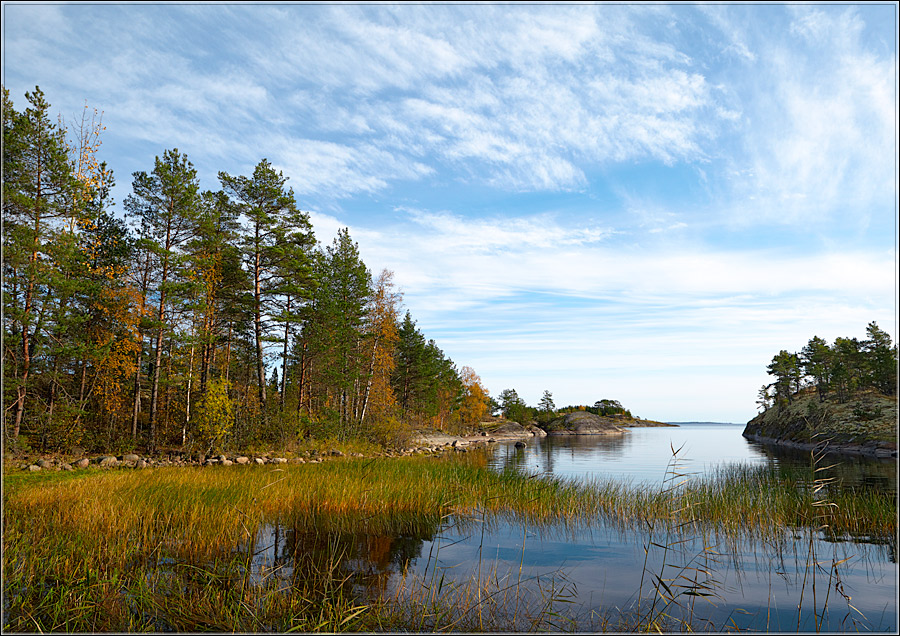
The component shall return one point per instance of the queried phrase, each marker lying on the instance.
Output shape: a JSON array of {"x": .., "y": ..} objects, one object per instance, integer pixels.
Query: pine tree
[
  {"x": 165, "y": 204},
  {"x": 786, "y": 368},
  {"x": 881, "y": 360},
  {"x": 277, "y": 242},
  {"x": 37, "y": 190},
  {"x": 816, "y": 361}
]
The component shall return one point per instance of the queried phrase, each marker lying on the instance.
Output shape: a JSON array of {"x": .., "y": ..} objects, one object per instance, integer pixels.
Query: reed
[{"x": 160, "y": 549}]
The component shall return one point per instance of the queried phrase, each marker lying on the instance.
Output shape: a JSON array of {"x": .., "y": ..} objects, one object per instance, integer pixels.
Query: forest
[{"x": 201, "y": 319}]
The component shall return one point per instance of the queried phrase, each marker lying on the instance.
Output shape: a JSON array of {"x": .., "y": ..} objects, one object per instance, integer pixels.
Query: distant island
[{"x": 843, "y": 395}]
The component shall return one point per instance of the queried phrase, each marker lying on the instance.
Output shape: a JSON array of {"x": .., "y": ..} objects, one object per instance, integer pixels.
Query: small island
[{"x": 841, "y": 397}]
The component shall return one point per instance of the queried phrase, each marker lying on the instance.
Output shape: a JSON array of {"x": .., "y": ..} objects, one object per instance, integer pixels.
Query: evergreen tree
[
  {"x": 164, "y": 202},
  {"x": 37, "y": 191},
  {"x": 409, "y": 375},
  {"x": 881, "y": 360},
  {"x": 336, "y": 332},
  {"x": 786, "y": 368},
  {"x": 816, "y": 361},
  {"x": 277, "y": 245},
  {"x": 513, "y": 407}
]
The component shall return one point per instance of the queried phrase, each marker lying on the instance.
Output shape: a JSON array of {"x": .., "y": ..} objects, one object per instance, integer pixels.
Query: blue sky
[{"x": 637, "y": 202}]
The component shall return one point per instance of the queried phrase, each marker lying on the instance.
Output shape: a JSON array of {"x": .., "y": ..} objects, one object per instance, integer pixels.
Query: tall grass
[{"x": 163, "y": 549}]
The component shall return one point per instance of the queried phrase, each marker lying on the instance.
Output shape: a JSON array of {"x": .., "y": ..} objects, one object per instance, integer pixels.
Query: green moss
[{"x": 867, "y": 417}]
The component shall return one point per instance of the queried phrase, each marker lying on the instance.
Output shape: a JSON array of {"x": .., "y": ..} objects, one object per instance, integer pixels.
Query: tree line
[
  {"x": 514, "y": 408},
  {"x": 836, "y": 371},
  {"x": 203, "y": 317}
]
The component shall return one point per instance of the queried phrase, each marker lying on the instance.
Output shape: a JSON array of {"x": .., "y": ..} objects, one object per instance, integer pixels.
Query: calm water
[
  {"x": 640, "y": 456},
  {"x": 589, "y": 573},
  {"x": 643, "y": 455}
]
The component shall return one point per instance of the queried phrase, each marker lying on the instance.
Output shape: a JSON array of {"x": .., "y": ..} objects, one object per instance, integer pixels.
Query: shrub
[{"x": 215, "y": 416}]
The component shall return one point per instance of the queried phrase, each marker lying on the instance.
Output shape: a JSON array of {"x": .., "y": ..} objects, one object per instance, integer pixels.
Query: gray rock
[
  {"x": 336, "y": 453},
  {"x": 259, "y": 461},
  {"x": 242, "y": 460},
  {"x": 140, "y": 464},
  {"x": 583, "y": 423},
  {"x": 66, "y": 467},
  {"x": 227, "y": 462},
  {"x": 34, "y": 468},
  {"x": 279, "y": 460},
  {"x": 108, "y": 462},
  {"x": 44, "y": 463},
  {"x": 130, "y": 458},
  {"x": 83, "y": 463},
  {"x": 520, "y": 444}
]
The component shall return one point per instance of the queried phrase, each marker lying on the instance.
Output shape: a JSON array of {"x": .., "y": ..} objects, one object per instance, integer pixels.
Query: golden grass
[{"x": 83, "y": 553}]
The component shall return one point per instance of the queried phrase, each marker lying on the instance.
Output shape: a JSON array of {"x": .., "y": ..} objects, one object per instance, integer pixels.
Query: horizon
[{"x": 642, "y": 202}]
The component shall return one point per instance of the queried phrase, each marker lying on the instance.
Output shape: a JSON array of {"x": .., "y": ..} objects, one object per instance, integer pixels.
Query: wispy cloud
[
  {"x": 601, "y": 194},
  {"x": 819, "y": 125}
]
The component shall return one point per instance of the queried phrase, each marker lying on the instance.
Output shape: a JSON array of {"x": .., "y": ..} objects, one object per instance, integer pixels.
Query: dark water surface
[{"x": 589, "y": 575}]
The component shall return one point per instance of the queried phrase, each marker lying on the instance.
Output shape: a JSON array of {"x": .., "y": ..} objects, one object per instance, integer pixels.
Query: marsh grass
[{"x": 174, "y": 549}]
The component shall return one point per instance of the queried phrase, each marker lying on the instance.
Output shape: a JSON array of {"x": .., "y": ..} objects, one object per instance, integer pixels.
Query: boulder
[
  {"x": 583, "y": 423},
  {"x": 130, "y": 458},
  {"x": 242, "y": 460},
  {"x": 107, "y": 461},
  {"x": 259, "y": 460},
  {"x": 34, "y": 468},
  {"x": 83, "y": 463},
  {"x": 140, "y": 464},
  {"x": 227, "y": 462},
  {"x": 279, "y": 460},
  {"x": 536, "y": 431},
  {"x": 44, "y": 463}
]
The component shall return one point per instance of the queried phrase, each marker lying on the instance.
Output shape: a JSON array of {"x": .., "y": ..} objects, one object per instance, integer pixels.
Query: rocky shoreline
[
  {"x": 880, "y": 450},
  {"x": 421, "y": 442},
  {"x": 864, "y": 424}
]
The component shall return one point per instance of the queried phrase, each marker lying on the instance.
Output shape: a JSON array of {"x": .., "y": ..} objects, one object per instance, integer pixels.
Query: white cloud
[{"x": 819, "y": 128}]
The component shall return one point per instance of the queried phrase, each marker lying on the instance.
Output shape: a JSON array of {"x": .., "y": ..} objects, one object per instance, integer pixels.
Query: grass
[{"x": 155, "y": 549}]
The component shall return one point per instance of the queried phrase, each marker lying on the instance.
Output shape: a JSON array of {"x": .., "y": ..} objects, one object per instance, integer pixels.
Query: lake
[{"x": 594, "y": 573}]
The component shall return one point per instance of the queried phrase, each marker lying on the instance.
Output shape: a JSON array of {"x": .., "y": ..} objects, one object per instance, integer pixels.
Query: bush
[{"x": 215, "y": 416}]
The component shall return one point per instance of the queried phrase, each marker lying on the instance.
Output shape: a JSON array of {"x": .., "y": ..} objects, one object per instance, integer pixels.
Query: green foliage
[
  {"x": 120, "y": 334},
  {"x": 514, "y": 407},
  {"x": 845, "y": 367},
  {"x": 215, "y": 415}
]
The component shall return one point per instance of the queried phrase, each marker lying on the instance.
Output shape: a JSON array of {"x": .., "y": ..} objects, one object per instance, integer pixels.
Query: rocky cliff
[{"x": 865, "y": 424}]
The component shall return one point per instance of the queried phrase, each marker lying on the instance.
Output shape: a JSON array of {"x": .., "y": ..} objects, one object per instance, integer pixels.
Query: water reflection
[
  {"x": 595, "y": 573},
  {"x": 643, "y": 455},
  {"x": 490, "y": 573}
]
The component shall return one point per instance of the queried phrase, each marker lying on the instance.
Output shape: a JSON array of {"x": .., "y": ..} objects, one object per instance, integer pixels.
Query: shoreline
[{"x": 878, "y": 450}]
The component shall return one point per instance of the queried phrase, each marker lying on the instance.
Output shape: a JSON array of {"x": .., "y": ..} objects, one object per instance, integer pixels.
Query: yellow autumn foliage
[{"x": 215, "y": 415}]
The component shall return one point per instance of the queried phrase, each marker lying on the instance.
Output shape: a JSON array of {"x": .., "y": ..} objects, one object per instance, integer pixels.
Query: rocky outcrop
[
  {"x": 866, "y": 424},
  {"x": 583, "y": 423}
]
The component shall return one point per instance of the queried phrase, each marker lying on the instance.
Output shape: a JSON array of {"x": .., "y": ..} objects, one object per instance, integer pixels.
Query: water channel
[{"x": 590, "y": 577}]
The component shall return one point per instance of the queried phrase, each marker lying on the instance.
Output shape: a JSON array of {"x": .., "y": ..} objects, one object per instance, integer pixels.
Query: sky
[{"x": 641, "y": 202}]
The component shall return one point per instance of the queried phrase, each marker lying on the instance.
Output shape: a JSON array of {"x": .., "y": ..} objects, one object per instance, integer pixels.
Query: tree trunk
[
  {"x": 284, "y": 355},
  {"x": 154, "y": 385},
  {"x": 187, "y": 403},
  {"x": 257, "y": 327}
]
